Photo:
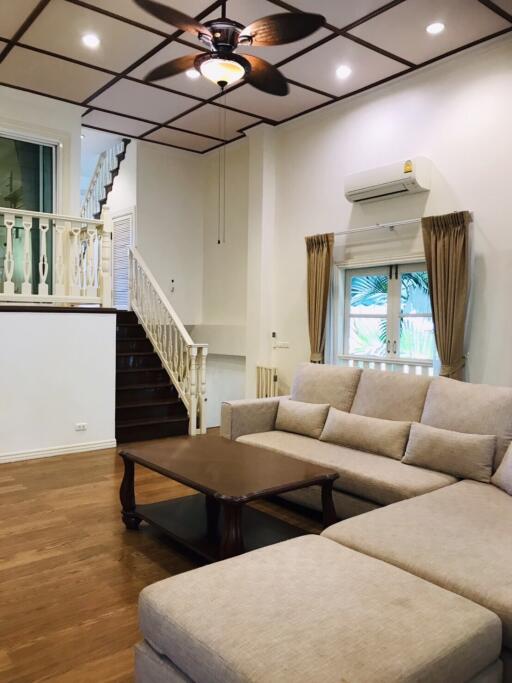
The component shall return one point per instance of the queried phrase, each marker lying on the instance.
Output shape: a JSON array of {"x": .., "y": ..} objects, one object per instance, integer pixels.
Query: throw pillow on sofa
[
  {"x": 466, "y": 456},
  {"x": 372, "y": 434},
  {"x": 301, "y": 418},
  {"x": 503, "y": 475}
]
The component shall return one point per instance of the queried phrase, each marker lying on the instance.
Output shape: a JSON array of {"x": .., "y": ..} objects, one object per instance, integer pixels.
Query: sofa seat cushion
[
  {"x": 374, "y": 477},
  {"x": 458, "y": 538},
  {"x": 391, "y": 395},
  {"x": 470, "y": 408},
  {"x": 332, "y": 384},
  {"x": 311, "y": 610}
]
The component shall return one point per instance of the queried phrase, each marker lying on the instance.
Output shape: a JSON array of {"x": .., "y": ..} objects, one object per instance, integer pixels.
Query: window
[{"x": 387, "y": 313}]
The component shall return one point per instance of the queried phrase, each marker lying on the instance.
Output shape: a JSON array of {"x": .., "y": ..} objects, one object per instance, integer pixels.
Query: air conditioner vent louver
[{"x": 404, "y": 177}]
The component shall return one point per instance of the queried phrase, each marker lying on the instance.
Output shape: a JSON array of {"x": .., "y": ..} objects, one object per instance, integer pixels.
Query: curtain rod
[{"x": 378, "y": 226}]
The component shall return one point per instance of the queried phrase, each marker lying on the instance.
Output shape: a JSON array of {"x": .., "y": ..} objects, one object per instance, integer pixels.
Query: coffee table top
[{"x": 227, "y": 470}]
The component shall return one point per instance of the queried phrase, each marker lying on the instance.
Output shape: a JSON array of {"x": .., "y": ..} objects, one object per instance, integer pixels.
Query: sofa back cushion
[
  {"x": 503, "y": 475},
  {"x": 470, "y": 408},
  {"x": 332, "y": 384},
  {"x": 467, "y": 456},
  {"x": 371, "y": 434},
  {"x": 391, "y": 395},
  {"x": 301, "y": 418}
]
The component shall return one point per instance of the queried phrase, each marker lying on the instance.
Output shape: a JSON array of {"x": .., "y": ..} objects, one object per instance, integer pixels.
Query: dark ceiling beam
[
  {"x": 23, "y": 28},
  {"x": 496, "y": 8}
]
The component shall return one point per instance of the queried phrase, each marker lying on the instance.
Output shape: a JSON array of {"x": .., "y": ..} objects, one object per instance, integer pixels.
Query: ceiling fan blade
[
  {"x": 175, "y": 66},
  {"x": 265, "y": 76},
  {"x": 173, "y": 17},
  {"x": 279, "y": 29}
]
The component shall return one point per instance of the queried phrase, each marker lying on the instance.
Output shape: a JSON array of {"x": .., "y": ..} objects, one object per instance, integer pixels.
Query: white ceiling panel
[
  {"x": 318, "y": 68},
  {"x": 338, "y": 13},
  {"x": 13, "y": 14},
  {"x": 272, "y": 107},
  {"x": 50, "y": 75},
  {"x": 180, "y": 138},
  {"x": 504, "y": 4},
  {"x": 118, "y": 124},
  {"x": 199, "y": 87},
  {"x": 401, "y": 30},
  {"x": 61, "y": 25},
  {"x": 129, "y": 10},
  {"x": 208, "y": 120},
  {"x": 143, "y": 101}
]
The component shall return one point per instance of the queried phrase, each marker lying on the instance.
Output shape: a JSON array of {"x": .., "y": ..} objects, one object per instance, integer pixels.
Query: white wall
[
  {"x": 170, "y": 224},
  {"x": 56, "y": 369},
  {"x": 50, "y": 121},
  {"x": 458, "y": 113},
  {"x": 225, "y": 381}
]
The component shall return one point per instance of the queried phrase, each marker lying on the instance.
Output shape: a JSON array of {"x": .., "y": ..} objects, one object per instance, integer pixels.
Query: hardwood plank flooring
[{"x": 70, "y": 573}]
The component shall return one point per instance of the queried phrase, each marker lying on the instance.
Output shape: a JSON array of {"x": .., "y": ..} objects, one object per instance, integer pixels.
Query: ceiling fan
[{"x": 222, "y": 64}]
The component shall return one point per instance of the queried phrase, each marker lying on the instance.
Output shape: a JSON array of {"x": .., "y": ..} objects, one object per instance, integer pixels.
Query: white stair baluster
[
  {"x": 26, "y": 287},
  {"x": 44, "y": 226},
  {"x": 60, "y": 285},
  {"x": 9, "y": 256}
]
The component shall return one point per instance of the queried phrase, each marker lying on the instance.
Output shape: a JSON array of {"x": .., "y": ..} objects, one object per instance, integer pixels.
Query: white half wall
[
  {"x": 54, "y": 122},
  {"x": 56, "y": 370},
  {"x": 225, "y": 381}
]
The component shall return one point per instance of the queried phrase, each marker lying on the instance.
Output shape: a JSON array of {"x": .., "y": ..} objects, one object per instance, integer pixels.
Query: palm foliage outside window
[{"x": 388, "y": 313}]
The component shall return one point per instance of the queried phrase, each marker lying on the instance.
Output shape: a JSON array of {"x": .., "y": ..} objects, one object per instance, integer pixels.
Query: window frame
[{"x": 393, "y": 271}]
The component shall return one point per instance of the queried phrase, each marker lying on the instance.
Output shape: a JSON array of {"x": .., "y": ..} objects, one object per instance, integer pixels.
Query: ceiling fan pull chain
[
  {"x": 224, "y": 164},
  {"x": 218, "y": 179}
]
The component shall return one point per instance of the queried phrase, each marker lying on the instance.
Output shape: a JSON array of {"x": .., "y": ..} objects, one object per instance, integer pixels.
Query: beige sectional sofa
[{"x": 417, "y": 589}]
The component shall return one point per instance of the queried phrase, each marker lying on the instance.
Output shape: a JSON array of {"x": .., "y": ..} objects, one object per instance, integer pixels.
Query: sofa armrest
[{"x": 248, "y": 416}]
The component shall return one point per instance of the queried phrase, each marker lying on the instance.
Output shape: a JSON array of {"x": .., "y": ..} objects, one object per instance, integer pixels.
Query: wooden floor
[{"x": 70, "y": 573}]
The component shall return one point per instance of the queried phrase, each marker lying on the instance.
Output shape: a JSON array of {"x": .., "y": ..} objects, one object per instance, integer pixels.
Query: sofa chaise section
[
  {"x": 309, "y": 610},
  {"x": 458, "y": 537}
]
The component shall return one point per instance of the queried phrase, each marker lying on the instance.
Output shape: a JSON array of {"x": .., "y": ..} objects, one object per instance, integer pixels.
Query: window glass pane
[
  {"x": 414, "y": 293},
  {"x": 369, "y": 294},
  {"x": 417, "y": 338},
  {"x": 367, "y": 336}
]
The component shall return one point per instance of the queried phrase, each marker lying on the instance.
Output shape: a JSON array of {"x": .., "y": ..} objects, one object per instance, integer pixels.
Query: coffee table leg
[
  {"x": 127, "y": 495},
  {"x": 328, "y": 509},
  {"x": 231, "y": 542},
  {"x": 212, "y": 516}
]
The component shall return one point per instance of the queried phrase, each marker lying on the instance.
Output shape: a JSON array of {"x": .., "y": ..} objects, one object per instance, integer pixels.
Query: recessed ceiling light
[
  {"x": 82, "y": 136},
  {"x": 193, "y": 73},
  {"x": 343, "y": 71},
  {"x": 91, "y": 40},
  {"x": 435, "y": 28}
]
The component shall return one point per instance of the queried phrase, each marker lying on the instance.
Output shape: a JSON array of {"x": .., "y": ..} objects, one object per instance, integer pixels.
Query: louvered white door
[{"x": 122, "y": 241}]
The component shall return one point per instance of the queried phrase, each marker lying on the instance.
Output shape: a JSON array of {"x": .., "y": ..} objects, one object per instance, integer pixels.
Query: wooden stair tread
[
  {"x": 139, "y": 422},
  {"x": 150, "y": 404},
  {"x": 153, "y": 385}
]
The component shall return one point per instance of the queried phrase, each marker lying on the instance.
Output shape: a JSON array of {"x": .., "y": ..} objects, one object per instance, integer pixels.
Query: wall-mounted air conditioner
[{"x": 408, "y": 176}]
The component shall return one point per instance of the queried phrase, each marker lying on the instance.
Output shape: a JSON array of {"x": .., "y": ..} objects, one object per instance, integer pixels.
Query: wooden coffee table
[{"x": 216, "y": 522}]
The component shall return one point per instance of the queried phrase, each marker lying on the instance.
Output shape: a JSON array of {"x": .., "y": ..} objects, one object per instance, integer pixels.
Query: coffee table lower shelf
[{"x": 184, "y": 520}]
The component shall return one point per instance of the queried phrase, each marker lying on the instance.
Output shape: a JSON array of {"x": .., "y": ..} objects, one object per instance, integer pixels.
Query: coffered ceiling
[{"x": 41, "y": 51}]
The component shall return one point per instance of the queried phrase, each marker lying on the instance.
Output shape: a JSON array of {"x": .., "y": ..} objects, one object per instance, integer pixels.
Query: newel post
[
  {"x": 192, "y": 399},
  {"x": 202, "y": 390},
  {"x": 106, "y": 259}
]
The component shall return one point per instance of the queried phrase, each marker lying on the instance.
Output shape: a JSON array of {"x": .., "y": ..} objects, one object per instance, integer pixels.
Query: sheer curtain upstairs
[
  {"x": 319, "y": 249},
  {"x": 446, "y": 251}
]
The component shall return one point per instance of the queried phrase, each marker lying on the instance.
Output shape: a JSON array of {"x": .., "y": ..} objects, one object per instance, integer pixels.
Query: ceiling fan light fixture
[
  {"x": 193, "y": 73},
  {"x": 222, "y": 71}
]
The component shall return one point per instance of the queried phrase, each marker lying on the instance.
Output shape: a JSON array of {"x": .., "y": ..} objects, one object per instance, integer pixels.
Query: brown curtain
[
  {"x": 319, "y": 249},
  {"x": 446, "y": 250}
]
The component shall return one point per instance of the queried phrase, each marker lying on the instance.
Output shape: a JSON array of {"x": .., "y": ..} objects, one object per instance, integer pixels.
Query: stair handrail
[
  {"x": 92, "y": 183},
  {"x": 183, "y": 359}
]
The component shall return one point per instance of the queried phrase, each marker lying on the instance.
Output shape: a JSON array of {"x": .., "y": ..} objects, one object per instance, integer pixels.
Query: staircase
[
  {"x": 102, "y": 180},
  {"x": 147, "y": 404}
]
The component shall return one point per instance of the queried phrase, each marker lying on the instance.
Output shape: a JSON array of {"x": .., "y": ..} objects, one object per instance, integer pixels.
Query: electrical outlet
[{"x": 80, "y": 426}]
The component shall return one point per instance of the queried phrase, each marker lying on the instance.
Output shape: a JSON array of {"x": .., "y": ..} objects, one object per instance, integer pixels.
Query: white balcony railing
[
  {"x": 184, "y": 361},
  {"x": 49, "y": 258},
  {"x": 411, "y": 367},
  {"x": 101, "y": 179}
]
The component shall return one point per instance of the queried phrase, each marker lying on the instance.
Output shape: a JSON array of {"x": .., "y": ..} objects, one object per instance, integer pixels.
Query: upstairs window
[{"x": 387, "y": 314}]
